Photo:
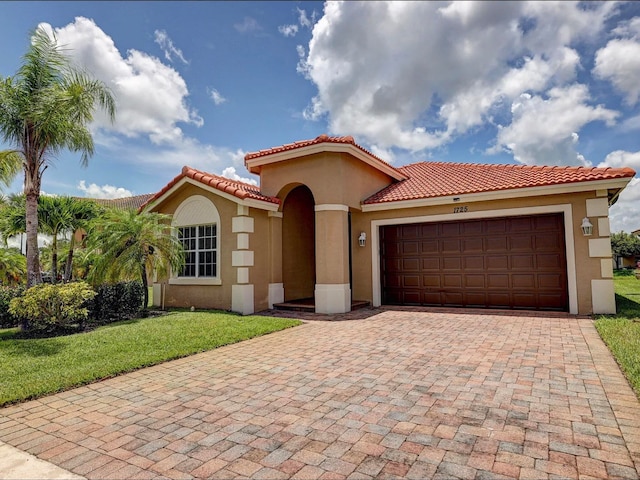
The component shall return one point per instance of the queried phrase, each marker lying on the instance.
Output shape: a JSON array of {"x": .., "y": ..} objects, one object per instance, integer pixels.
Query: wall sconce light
[
  {"x": 587, "y": 227},
  {"x": 362, "y": 239}
]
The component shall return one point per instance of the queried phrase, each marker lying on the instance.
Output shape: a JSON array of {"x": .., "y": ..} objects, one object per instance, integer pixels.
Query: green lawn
[
  {"x": 621, "y": 332},
  {"x": 31, "y": 368}
]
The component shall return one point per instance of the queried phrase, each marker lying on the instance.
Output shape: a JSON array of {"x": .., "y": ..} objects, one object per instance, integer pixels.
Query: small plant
[{"x": 52, "y": 307}]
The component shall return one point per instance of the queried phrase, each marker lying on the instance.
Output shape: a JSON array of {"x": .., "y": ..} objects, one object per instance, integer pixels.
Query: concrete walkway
[{"x": 400, "y": 394}]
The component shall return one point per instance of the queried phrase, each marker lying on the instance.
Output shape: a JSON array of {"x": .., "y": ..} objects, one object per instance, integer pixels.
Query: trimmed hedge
[
  {"x": 117, "y": 301},
  {"x": 8, "y": 320}
]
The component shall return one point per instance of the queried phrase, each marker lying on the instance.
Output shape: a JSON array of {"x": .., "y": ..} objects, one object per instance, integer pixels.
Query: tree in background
[
  {"x": 625, "y": 244},
  {"x": 83, "y": 212},
  {"x": 44, "y": 109},
  {"x": 129, "y": 246}
]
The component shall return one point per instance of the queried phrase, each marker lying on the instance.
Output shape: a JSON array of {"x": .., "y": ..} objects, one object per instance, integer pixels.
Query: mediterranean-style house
[{"x": 334, "y": 223}]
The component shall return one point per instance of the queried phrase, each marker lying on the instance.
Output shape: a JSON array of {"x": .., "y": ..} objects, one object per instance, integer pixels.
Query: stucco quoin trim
[{"x": 506, "y": 212}]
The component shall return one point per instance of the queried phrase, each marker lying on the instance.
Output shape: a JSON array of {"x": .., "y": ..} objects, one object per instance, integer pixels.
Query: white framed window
[
  {"x": 200, "y": 247},
  {"x": 197, "y": 224}
]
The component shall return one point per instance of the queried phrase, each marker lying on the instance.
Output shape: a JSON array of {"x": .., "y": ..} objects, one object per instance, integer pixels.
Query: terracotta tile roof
[
  {"x": 439, "y": 179},
  {"x": 233, "y": 187},
  {"x": 324, "y": 138}
]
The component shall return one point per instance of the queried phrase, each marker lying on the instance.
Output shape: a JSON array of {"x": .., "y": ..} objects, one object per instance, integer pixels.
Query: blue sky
[{"x": 203, "y": 83}]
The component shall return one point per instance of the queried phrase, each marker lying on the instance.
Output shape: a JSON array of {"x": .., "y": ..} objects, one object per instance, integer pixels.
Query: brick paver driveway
[{"x": 414, "y": 394}]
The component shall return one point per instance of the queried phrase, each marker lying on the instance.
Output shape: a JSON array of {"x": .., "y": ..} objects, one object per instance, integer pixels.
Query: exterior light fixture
[
  {"x": 587, "y": 227},
  {"x": 362, "y": 239}
]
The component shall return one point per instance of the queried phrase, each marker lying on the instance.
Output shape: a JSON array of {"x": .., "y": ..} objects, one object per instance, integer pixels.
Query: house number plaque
[{"x": 462, "y": 209}]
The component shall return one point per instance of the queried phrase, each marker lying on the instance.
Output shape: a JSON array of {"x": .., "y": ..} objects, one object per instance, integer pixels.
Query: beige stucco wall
[
  {"x": 587, "y": 268},
  {"x": 333, "y": 178},
  {"x": 220, "y": 296}
]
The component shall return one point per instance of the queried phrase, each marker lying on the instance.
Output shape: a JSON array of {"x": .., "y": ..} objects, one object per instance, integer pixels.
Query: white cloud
[
  {"x": 544, "y": 130},
  {"x": 304, "y": 20},
  {"x": 216, "y": 96},
  {"x": 150, "y": 96},
  {"x": 416, "y": 75},
  {"x": 619, "y": 62},
  {"x": 621, "y": 158},
  {"x": 167, "y": 46},
  {"x": 248, "y": 25},
  {"x": 288, "y": 30},
  {"x": 230, "y": 172},
  {"x": 103, "y": 191},
  {"x": 624, "y": 215}
]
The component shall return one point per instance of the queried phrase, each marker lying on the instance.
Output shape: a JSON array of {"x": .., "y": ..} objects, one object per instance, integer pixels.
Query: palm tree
[
  {"x": 44, "y": 109},
  {"x": 54, "y": 218},
  {"x": 132, "y": 245},
  {"x": 82, "y": 213},
  {"x": 13, "y": 266}
]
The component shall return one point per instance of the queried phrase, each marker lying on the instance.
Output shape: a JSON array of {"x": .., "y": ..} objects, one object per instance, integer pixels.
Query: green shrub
[
  {"x": 7, "y": 320},
  {"x": 52, "y": 307},
  {"x": 116, "y": 301}
]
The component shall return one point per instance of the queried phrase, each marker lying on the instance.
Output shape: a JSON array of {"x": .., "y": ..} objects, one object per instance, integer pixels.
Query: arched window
[{"x": 197, "y": 223}]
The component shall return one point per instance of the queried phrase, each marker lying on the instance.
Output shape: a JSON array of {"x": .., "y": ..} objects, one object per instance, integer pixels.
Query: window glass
[{"x": 199, "y": 243}]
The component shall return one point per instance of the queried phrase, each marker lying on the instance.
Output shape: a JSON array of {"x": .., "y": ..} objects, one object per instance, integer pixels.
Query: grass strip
[
  {"x": 621, "y": 332},
  {"x": 31, "y": 368}
]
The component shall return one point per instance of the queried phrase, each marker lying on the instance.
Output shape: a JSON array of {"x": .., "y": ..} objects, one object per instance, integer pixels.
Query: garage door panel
[
  {"x": 475, "y": 299},
  {"x": 431, "y": 263},
  {"x": 412, "y": 297},
  {"x": 526, "y": 262},
  {"x": 520, "y": 243},
  {"x": 474, "y": 281},
  {"x": 547, "y": 242},
  {"x": 431, "y": 281},
  {"x": 511, "y": 262},
  {"x": 523, "y": 280},
  {"x": 454, "y": 281},
  {"x": 454, "y": 299},
  {"x": 451, "y": 245},
  {"x": 550, "y": 281},
  {"x": 429, "y": 247},
  {"x": 450, "y": 229},
  {"x": 495, "y": 244},
  {"x": 411, "y": 264},
  {"x": 473, "y": 263},
  {"x": 497, "y": 262},
  {"x": 410, "y": 248},
  {"x": 496, "y": 226},
  {"x": 495, "y": 280},
  {"x": 545, "y": 261},
  {"x": 472, "y": 228},
  {"x": 451, "y": 263},
  {"x": 472, "y": 245}
]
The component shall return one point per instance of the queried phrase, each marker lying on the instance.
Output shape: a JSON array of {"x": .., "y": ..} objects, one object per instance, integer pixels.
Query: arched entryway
[{"x": 298, "y": 244}]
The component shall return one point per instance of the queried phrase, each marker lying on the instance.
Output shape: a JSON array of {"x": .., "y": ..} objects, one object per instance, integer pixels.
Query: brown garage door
[{"x": 509, "y": 262}]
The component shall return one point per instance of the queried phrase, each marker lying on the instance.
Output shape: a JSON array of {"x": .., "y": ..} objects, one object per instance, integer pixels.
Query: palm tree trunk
[
  {"x": 33, "y": 260},
  {"x": 54, "y": 259},
  {"x": 145, "y": 287},
  {"x": 69, "y": 265}
]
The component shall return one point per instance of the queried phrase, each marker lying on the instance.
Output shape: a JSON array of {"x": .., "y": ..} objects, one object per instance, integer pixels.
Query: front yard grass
[
  {"x": 621, "y": 332},
  {"x": 33, "y": 367}
]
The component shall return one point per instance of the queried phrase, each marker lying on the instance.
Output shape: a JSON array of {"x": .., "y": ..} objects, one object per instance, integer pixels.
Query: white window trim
[
  {"x": 195, "y": 211},
  {"x": 507, "y": 212}
]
